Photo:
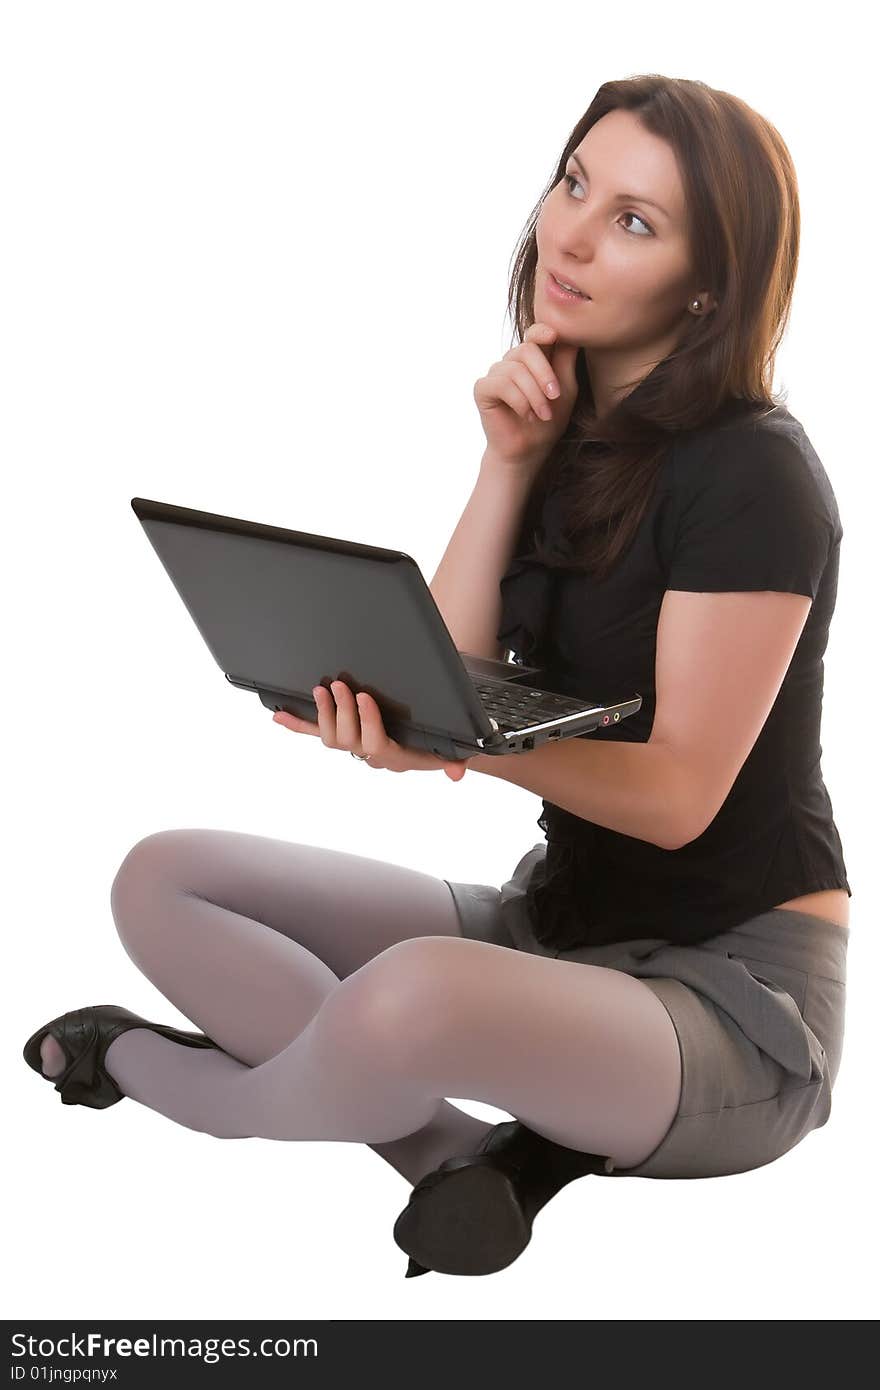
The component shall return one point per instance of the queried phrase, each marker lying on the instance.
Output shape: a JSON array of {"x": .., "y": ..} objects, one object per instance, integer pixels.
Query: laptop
[{"x": 283, "y": 611}]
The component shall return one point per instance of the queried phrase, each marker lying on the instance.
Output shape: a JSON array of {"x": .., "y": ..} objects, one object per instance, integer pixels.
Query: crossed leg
[{"x": 349, "y": 1007}]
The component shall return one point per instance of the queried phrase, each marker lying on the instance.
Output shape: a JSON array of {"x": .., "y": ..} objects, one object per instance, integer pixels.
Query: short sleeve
[{"x": 753, "y": 513}]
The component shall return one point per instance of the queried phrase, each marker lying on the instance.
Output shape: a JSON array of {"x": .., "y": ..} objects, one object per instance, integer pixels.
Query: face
[{"x": 628, "y": 255}]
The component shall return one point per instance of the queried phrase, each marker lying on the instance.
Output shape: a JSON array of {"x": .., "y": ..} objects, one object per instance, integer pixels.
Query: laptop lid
[{"x": 282, "y": 611}]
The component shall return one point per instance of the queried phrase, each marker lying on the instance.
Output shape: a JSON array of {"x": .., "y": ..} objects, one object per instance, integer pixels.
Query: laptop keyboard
[{"x": 519, "y": 706}]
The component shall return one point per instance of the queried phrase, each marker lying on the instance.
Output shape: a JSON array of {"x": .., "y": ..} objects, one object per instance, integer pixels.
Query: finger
[
  {"x": 374, "y": 739},
  {"x": 539, "y": 366},
  {"x": 564, "y": 357},
  {"x": 506, "y": 389},
  {"x": 525, "y": 380},
  {"x": 348, "y": 722},
  {"x": 326, "y": 715},
  {"x": 540, "y": 332},
  {"x": 293, "y": 721}
]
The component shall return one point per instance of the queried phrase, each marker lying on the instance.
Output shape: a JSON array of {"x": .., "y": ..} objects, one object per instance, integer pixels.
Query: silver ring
[{"x": 365, "y": 759}]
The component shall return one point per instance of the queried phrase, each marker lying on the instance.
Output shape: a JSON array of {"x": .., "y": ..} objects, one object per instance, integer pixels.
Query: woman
[{"x": 658, "y": 990}]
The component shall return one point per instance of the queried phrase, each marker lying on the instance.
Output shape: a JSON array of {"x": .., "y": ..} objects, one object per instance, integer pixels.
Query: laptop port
[{"x": 528, "y": 742}]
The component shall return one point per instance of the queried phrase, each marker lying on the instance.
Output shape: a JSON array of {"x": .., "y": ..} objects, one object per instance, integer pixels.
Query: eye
[{"x": 570, "y": 179}]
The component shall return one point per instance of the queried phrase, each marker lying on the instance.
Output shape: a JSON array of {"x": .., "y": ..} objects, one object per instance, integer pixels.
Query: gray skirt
[{"x": 758, "y": 1011}]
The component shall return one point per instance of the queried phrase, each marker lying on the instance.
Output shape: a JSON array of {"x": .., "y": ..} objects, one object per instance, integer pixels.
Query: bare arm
[
  {"x": 637, "y": 789},
  {"x": 525, "y": 402},
  {"x": 466, "y": 585}
]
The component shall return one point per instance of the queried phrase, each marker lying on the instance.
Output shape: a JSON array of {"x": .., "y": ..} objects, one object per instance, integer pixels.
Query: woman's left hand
[{"x": 355, "y": 726}]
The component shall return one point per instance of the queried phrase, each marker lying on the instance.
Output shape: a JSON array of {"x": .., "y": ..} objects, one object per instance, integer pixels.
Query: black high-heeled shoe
[
  {"x": 474, "y": 1214},
  {"x": 84, "y": 1036}
]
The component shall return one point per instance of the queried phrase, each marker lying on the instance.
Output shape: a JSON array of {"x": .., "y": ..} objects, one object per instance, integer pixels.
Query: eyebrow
[{"x": 625, "y": 197}]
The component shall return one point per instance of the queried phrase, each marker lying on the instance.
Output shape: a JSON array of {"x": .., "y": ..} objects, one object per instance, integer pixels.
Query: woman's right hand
[{"x": 520, "y": 420}]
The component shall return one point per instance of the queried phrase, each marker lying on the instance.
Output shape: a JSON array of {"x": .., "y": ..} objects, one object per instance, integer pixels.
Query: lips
[{"x": 561, "y": 279}]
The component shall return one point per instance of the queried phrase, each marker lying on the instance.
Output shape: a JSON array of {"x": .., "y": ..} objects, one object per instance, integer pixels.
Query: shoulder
[{"x": 751, "y": 455}]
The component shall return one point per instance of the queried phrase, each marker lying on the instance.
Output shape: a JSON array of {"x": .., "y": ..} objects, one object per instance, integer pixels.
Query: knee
[
  {"x": 398, "y": 1007},
  {"x": 146, "y": 859},
  {"x": 148, "y": 863}
]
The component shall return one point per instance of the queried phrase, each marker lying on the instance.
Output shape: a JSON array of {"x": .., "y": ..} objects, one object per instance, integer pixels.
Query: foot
[
  {"x": 473, "y": 1214},
  {"x": 51, "y": 1056},
  {"x": 76, "y": 1063}
]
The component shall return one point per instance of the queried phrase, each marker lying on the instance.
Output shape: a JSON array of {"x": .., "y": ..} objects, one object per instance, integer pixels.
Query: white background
[{"x": 255, "y": 256}]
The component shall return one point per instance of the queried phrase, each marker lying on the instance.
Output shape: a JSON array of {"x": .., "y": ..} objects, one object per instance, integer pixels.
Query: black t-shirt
[{"x": 744, "y": 504}]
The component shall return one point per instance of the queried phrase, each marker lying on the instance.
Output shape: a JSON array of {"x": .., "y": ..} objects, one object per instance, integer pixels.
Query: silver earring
[{"x": 696, "y": 305}]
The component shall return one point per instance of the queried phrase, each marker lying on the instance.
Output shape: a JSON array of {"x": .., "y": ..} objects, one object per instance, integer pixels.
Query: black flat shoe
[
  {"x": 84, "y": 1036},
  {"x": 473, "y": 1215}
]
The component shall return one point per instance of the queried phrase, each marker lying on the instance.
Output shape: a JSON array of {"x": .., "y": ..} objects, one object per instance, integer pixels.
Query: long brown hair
[{"x": 743, "y": 226}]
